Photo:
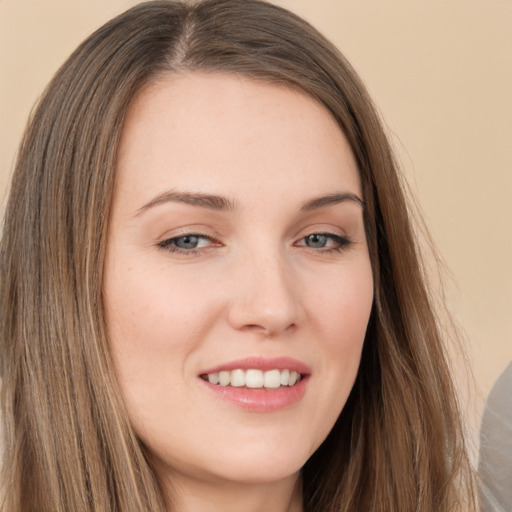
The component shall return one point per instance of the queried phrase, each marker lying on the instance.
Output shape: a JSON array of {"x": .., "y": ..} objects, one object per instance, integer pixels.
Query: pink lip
[
  {"x": 260, "y": 400},
  {"x": 260, "y": 363}
]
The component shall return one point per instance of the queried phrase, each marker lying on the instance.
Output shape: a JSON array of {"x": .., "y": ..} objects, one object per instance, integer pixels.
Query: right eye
[{"x": 186, "y": 243}]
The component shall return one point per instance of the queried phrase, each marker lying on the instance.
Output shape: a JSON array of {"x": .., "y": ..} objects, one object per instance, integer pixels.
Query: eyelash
[
  {"x": 341, "y": 243},
  {"x": 169, "y": 244}
]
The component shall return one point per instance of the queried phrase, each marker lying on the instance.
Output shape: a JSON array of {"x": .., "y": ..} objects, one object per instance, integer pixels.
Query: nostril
[
  {"x": 268, "y": 330},
  {"x": 264, "y": 299}
]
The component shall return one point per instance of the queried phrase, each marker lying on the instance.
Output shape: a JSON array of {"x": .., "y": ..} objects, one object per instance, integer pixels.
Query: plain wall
[{"x": 441, "y": 74}]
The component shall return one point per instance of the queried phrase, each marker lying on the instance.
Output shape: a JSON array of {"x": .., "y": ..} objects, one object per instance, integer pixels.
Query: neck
[{"x": 218, "y": 496}]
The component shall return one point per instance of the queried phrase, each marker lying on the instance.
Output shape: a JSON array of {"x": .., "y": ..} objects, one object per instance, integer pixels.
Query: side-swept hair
[{"x": 397, "y": 445}]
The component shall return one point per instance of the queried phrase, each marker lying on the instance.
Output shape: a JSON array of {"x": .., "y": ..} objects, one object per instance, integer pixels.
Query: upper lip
[{"x": 261, "y": 363}]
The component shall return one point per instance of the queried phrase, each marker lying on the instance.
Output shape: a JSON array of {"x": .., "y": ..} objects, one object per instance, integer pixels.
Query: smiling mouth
[{"x": 254, "y": 379}]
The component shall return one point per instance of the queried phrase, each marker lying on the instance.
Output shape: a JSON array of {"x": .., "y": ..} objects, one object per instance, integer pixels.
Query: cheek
[
  {"x": 341, "y": 308},
  {"x": 339, "y": 316},
  {"x": 155, "y": 323},
  {"x": 156, "y": 302},
  {"x": 155, "y": 320}
]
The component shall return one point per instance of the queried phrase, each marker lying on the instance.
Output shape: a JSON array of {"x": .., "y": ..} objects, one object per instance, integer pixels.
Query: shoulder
[{"x": 495, "y": 463}]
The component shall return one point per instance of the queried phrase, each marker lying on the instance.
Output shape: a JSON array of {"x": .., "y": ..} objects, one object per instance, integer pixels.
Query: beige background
[{"x": 441, "y": 73}]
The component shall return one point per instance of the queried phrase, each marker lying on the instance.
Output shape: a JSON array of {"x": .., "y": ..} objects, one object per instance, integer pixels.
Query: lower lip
[{"x": 260, "y": 400}]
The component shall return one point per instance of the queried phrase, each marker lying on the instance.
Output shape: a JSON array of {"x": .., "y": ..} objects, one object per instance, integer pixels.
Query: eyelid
[
  {"x": 167, "y": 243},
  {"x": 168, "y": 240},
  {"x": 339, "y": 240}
]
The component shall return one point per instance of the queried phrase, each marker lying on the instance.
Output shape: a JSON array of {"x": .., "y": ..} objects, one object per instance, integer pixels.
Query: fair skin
[{"x": 236, "y": 244}]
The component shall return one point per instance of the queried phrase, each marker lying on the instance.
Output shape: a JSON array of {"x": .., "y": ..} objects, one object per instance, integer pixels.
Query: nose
[{"x": 264, "y": 298}]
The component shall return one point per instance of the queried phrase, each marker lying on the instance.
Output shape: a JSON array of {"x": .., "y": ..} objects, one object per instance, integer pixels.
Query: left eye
[
  {"x": 186, "y": 242},
  {"x": 324, "y": 241},
  {"x": 317, "y": 241}
]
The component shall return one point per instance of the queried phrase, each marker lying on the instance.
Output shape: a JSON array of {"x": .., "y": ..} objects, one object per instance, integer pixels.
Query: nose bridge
[{"x": 265, "y": 299}]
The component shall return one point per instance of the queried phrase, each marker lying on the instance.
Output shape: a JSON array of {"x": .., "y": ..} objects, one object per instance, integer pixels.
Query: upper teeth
[{"x": 271, "y": 379}]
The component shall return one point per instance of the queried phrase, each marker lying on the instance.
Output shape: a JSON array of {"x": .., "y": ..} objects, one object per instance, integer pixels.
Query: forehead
[{"x": 204, "y": 131}]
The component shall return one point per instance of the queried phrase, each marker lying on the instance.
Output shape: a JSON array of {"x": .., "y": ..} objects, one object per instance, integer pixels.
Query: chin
[
  {"x": 257, "y": 463},
  {"x": 262, "y": 471},
  {"x": 266, "y": 459}
]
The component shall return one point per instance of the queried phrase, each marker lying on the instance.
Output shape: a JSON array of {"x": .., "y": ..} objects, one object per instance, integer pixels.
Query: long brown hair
[{"x": 397, "y": 445}]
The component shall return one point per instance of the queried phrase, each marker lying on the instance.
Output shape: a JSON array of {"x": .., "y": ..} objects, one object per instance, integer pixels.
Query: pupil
[
  {"x": 317, "y": 241},
  {"x": 187, "y": 242}
]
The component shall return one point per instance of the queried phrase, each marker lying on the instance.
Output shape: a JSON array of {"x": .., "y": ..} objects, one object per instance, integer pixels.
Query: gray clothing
[{"x": 495, "y": 463}]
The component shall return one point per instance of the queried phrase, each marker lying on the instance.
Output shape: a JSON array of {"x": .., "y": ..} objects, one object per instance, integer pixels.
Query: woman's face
[{"x": 236, "y": 259}]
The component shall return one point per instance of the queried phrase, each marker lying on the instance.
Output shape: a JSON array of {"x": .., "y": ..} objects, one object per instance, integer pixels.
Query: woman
[{"x": 211, "y": 292}]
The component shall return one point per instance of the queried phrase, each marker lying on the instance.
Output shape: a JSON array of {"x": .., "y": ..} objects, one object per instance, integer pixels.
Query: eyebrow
[
  {"x": 220, "y": 203},
  {"x": 330, "y": 200},
  {"x": 209, "y": 201}
]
